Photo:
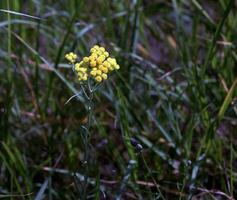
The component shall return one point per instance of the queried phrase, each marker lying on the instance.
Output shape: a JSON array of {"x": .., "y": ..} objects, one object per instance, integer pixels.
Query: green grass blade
[{"x": 227, "y": 100}]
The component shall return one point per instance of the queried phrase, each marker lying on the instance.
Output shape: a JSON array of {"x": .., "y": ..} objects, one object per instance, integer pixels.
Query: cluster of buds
[
  {"x": 71, "y": 57},
  {"x": 97, "y": 65}
]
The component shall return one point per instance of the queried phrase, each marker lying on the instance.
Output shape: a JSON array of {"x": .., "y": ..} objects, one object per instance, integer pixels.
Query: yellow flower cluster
[
  {"x": 71, "y": 57},
  {"x": 97, "y": 65},
  {"x": 81, "y": 72}
]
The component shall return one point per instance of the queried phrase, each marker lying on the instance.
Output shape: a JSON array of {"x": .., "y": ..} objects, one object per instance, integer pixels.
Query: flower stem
[{"x": 89, "y": 97}]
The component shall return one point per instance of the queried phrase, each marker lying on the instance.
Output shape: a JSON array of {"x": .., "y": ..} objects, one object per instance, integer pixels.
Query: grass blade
[
  {"x": 227, "y": 100},
  {"x": 20, "y": 14},
  {"x": 40, "y": 194}
]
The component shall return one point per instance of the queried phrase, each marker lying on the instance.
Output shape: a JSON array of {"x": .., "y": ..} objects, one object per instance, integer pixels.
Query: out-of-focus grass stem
[{"x": 9, "y": 31}]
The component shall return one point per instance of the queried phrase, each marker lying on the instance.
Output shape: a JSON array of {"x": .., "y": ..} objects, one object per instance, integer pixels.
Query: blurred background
[{"x": 164, "y": 126}]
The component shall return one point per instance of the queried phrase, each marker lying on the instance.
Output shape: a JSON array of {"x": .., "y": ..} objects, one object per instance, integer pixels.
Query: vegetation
[{"x": 162, "y": 127}]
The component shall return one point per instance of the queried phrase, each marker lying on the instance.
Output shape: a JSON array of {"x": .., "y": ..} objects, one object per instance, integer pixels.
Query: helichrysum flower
[{"x": 97, "y": 65}]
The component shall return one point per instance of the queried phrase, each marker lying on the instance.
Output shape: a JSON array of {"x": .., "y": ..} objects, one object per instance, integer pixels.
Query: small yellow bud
[
  {"x": 92, "y": 50},
  {"x": 77, "y": 66},
  {"x": 83, "y": 69},
  {"x": 93, "y": 63},
  {"x": 96, "y": 47},
  {"x": 102, "y": 49},
  {"x": 110, "y": 68},
  {"x": 84, "y": 78},
  {"x": 91, "y": 58},
  {"x": 98, "y": 72},
  {"x": 79, "y": 74},
  {"x": 71, "y": 57},
  {"x": 104, "y": 76},
  {"x": 93, "y": 73},
  {"x": 101, "y": 59},
  {"x": 109, "y": 59},
  {"x": 98, "y": 78},
  {"x": 106, "y": 54},
  {"x": 99, "y": 52},
  {"x": 86, "y": 59},
  {"x": 104, "y": 69},
  {"x": 113, "y": 61},
  {"x": 116, "y": 66},
  {"x": 94, "y": 55},
  {"x": 106, "y": 64},
  {"x": 101, "y": 67}
]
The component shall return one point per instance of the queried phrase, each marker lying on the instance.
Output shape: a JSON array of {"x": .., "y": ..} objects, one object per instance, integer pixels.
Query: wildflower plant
[
  {"x": 96, "y": 66},
  {"x": 91, "y": 71}
]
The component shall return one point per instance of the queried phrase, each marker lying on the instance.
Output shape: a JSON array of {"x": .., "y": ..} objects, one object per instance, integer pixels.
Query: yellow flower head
[
  {"x": 86, "y": 59},
  {"x": 106, "y": 54},
  {"x": 93, "y": 63},
  {"x": 104, "y": 76},
  {"x": 98, "y": 72},
  {"x": 98, "y": 78},
  {"x": 93, "y": 73},
  {"x": 96, "y": 66},
  {"x": 100, "y": 59}
]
